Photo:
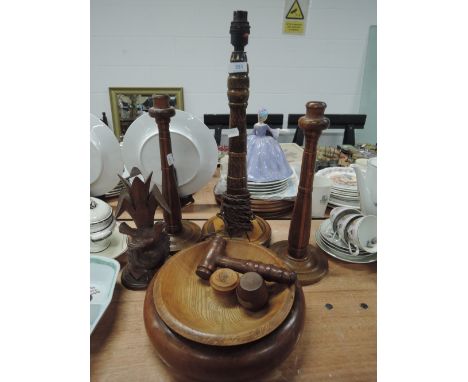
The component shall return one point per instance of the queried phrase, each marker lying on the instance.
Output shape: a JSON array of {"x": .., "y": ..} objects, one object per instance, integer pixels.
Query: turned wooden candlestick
[
  {"x": 182, "y": 233},
  {"x": 236, "y": 219},
  {"x": 309, "y": 263}
]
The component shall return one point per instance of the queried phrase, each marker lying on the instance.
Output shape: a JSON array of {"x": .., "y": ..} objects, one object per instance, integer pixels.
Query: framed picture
[{"x": 127, "y": 104}]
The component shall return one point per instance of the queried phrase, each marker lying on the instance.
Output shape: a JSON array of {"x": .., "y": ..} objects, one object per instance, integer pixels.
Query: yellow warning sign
[
  {"x": 295, "y": 16},
  {"x": 295, "y": 12}
]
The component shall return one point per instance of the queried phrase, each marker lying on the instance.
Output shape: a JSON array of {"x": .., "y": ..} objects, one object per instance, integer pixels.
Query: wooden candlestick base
[
  {"x": 188, "y": 236},
  {"x": 260, "y": 233},
  {"x": 129, "y": 282},
  {"x": 311, "y": 269}
]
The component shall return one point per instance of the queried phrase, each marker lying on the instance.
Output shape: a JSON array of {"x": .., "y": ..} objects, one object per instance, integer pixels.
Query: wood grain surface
[
  {"x": 338, "y": 342},
  {"x": 191, "y": 308}
]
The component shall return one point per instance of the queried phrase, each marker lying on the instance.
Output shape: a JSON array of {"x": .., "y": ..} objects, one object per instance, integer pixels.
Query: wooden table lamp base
[
  {"x": 188, "y": 236},
  {"x": 260, "y": 233},
  {"x": 311, "y": 269}
]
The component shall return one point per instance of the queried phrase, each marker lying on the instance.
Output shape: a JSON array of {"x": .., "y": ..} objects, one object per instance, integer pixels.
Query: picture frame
[{"x": 128, "y": 103}]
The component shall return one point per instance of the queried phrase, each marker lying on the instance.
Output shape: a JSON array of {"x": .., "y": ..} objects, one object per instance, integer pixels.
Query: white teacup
[
  {"x": 343, "y": 224},
  {"x": 320, "y": 195},
  {"x": 362, "y": 235},
  {"x": 338, "y": 212}
]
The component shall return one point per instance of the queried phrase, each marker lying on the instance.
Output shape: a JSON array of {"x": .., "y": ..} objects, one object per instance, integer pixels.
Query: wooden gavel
[{"x": 215, "y": 257}]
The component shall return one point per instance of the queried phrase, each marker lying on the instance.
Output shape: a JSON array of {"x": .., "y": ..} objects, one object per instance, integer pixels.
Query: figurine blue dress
[{"x": 266, "y": 161}]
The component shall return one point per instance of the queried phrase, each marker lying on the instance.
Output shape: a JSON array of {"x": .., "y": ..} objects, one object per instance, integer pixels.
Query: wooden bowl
[
  {"x": 199, "y": 362},
  {"x": 190, "y": 307}
]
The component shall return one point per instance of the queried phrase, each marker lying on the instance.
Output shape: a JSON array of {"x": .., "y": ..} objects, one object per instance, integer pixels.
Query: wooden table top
[{"x": 337, "y": 344}]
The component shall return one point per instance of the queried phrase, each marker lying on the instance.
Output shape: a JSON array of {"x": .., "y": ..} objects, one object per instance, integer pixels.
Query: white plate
[
  {"x": 117, "y": 246},
  {"x": 340, "y": 203},
  {"x": 103, "y": 277},
  {"x": 343, "y": 178},
  {"x": 268, "y": 187},
  {"x": 272, "y": 183},
  {"x": 344, "y": 198},
  {"x": 345, "y": 192},
  {"x": 106, "y": 160},
  {"x": 194, "y": 150}
]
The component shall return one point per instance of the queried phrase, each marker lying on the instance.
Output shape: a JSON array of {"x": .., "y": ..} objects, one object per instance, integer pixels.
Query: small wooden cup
[
  {"x": 252, "y": 292},
  {"x": 224, "y": 280}
]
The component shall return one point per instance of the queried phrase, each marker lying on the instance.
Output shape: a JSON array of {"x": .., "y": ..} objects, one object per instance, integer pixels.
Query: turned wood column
[
  {"x": 310, "y": 264},
  {"x": 236, "y": 219},
  {"x": 238, "y": 95},
  {"x": 313, "y": 123},
  {"x": 162, "y": 112}
]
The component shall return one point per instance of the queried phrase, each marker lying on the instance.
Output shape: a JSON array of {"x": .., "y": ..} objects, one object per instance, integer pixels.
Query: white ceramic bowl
[
  {"x": 99, "y": 241},
  {"x": 102, "y": 223}
]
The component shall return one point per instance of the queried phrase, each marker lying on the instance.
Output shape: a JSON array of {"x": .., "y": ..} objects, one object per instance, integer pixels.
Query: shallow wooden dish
[
  {"x": 191, "y": 308},
  {"x": 193, "y": 361}
]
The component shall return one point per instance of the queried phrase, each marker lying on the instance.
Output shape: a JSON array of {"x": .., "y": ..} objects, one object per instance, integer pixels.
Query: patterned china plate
[{"x": 342, "y": 177}]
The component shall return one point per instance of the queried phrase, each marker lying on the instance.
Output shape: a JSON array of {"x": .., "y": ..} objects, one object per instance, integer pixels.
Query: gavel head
[{"x": 208, "y": 264}]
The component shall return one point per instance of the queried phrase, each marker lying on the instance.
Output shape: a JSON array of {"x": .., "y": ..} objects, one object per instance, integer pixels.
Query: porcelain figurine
[
  {"x": 367, "y": 185},
  {"x": 266, "y": 161}
]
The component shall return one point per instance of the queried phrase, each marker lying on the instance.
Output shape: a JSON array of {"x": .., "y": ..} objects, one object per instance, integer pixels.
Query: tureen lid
[{"x": 99, "y": 210}]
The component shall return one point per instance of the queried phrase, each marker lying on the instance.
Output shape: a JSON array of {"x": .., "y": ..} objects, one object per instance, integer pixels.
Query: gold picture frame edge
[{"x": 113, "y": 91}]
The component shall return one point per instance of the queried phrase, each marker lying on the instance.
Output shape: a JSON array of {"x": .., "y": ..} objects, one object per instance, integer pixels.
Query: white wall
[{"x": 182, "y": 43}]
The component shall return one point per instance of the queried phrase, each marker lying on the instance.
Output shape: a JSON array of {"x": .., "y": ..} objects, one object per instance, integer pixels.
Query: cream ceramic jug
[{"x": 367, "y": 185}]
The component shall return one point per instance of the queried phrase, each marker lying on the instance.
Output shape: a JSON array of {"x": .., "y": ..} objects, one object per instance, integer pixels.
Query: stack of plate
[
  {"x": 267, "y": 209},
  {"x": 344, "y": 192},
  {"x": 115, "y": 192},
  {"x": 267, "y": 188},
  {"x": 330, "y": 243},
  {"x": 271, "y": 209}
]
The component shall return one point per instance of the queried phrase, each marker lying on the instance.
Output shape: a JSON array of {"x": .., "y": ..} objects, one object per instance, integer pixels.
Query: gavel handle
[{"x": 267, "y": 271}]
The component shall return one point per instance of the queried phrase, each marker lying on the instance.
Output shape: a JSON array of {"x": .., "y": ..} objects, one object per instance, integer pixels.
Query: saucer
[
  {"x": 361, "y": 259},
  {"x": 117, "y": 246}
]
